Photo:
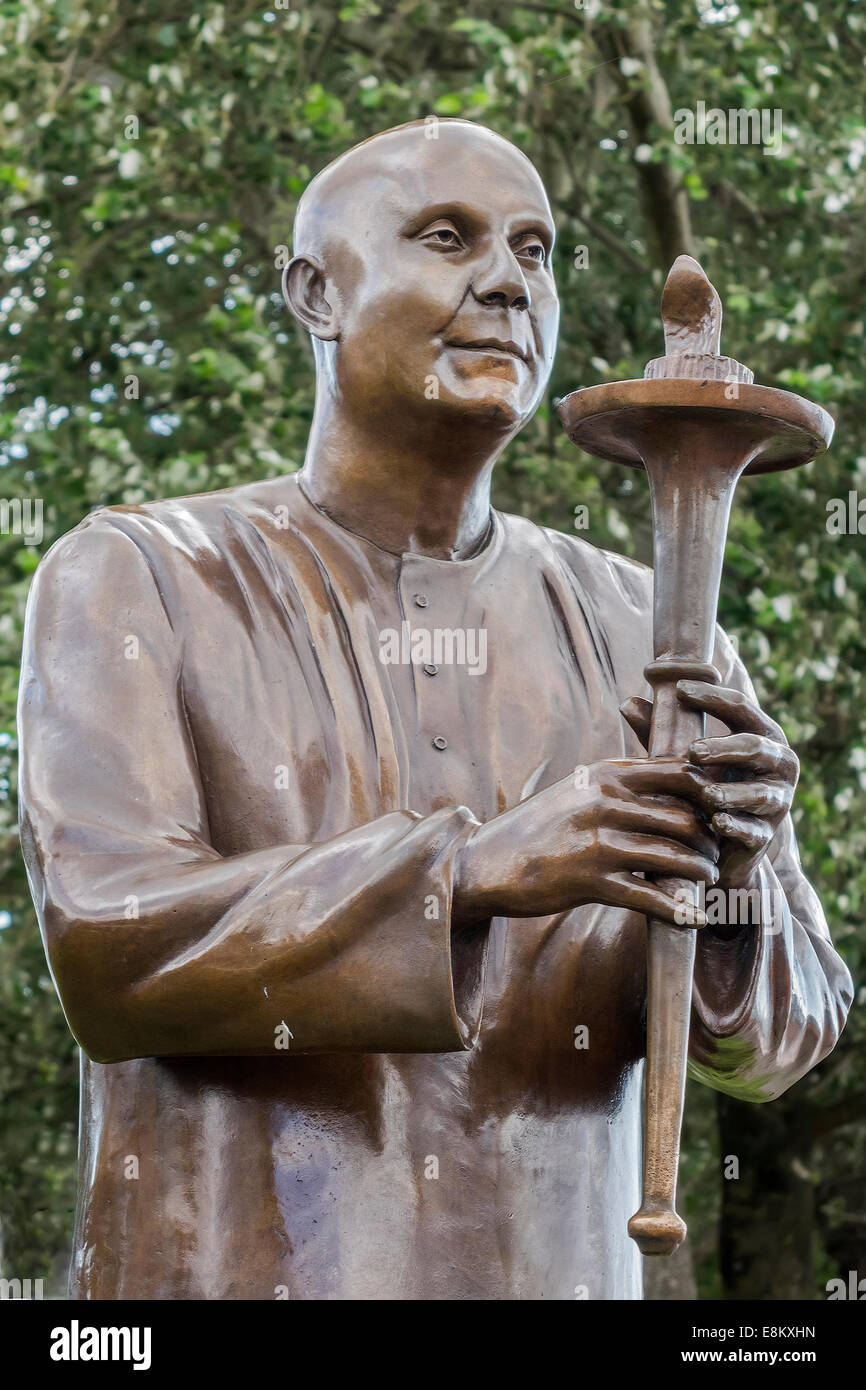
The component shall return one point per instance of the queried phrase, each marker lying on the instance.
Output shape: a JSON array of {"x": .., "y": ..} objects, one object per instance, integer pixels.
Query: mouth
[{"x": 493, "y": 346}]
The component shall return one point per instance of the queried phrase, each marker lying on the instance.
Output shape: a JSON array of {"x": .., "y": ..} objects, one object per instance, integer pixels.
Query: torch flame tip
[{"x": 691, "y": 311}]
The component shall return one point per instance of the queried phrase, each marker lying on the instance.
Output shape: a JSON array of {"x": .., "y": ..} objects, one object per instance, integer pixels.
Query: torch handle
[
  {"x": 656, "y": 1227},
  {"x": 692, "y": 482}
]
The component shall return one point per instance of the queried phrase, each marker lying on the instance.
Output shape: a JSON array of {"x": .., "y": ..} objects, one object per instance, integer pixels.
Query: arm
[
  {"x": 770, "y": 1001},
  {"x": 771, "y": 993},
  {"x": 158, "y": 945}
]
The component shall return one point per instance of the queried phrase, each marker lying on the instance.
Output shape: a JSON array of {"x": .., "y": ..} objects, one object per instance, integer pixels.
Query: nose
[{"x": 500, "y": 282}]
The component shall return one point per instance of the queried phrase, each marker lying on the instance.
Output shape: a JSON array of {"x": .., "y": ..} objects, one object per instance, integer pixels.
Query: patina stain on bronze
[{"x": 350, "y": 925}]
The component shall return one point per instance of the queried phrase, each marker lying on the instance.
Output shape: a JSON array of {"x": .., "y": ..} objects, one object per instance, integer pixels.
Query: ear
[{"x": 304, "y": 292}]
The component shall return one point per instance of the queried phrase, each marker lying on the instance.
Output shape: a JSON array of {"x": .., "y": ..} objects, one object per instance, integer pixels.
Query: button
[
  {"x": 430, "y": 669},
  {"x": 440, "y": 742},
  {"x": 421, "y": 600}
]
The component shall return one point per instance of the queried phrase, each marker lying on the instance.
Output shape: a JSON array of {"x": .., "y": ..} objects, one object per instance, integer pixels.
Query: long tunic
[{"x": 299, "y": 1078}]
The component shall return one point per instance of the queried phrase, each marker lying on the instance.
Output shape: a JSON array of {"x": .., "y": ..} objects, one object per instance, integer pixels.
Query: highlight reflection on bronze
[{"x": 355, "y": 948}]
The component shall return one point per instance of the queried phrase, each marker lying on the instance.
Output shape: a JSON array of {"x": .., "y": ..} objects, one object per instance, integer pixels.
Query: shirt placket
[{"x": 434, "y": 597}]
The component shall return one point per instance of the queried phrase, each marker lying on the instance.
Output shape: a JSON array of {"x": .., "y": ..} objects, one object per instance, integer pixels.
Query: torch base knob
[{"x": 657, "y": 1230}]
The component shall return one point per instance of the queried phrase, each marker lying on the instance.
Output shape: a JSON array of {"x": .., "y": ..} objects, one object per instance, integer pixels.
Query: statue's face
[{"x": 442, "y": 271}]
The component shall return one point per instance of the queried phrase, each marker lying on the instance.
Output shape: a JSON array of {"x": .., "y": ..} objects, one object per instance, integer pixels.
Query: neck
[{"x": 421, "y": 494}]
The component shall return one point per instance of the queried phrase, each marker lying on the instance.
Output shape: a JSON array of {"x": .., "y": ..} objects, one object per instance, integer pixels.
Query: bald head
[{"x": 398, "y": 162}]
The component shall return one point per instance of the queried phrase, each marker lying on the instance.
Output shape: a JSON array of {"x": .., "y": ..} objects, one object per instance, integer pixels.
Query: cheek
[
  {"x": 407, "y": 300},
  {"x": 546, "y": 317},
  {"x": 389, "y": 334}
]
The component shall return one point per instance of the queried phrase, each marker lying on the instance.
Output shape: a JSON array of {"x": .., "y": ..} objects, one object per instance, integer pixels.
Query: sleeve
[
  {"x": 770, "y": 1001},
  {"x": 157, "y": 944}
]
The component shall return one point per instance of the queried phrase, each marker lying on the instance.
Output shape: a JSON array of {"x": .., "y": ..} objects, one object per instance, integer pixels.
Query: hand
[
  {"x": 586, "y": 839},
  {"x": 754, "y": 774}
]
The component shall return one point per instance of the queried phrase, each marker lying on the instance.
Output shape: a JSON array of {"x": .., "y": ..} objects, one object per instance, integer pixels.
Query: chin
[{"x": 497, "y": 403}]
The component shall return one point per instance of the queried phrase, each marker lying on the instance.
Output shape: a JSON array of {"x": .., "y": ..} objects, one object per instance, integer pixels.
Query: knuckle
[
  {"x": 603, "y": 838},
  {"x": 583, "y": 808}
]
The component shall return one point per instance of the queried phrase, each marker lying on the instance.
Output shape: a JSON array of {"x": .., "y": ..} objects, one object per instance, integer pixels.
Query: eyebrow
[
  {"x": 466, "y": 215},
  {"x": 541, "y": 229}
]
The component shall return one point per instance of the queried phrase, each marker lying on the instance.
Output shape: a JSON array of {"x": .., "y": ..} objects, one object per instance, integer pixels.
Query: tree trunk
[
  {"x": 670, "y": 1278},
  {"x": 767, "y": 1212},
  {"x": 648, "y": 109}
]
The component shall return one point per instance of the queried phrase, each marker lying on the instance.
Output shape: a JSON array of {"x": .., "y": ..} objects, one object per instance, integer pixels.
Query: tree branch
[
  {"x": 648, "y": 105},
  {"x": 823, "y": 1119}
]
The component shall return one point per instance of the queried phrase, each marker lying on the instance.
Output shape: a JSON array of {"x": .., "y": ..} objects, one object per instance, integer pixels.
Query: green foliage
[{"x": 151, "y": 164}]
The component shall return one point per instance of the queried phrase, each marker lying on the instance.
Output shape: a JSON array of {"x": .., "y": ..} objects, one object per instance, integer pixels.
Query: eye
[
  {"x": 533, "y": 250},
  {"x": 444, "y": 235}
]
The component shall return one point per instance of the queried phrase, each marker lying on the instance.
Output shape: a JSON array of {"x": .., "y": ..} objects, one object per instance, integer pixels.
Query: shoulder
[
  {"x": 601, "y": 575},
  {"x": 91, "y": 583},
  {"x": 177, "y": 534},
  {"x": 86, "y": 560},
  {"x": 615, "y": 587}
]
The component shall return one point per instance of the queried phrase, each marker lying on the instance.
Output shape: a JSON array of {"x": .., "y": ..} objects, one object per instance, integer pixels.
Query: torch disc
[{"x": 617, "y": 419}]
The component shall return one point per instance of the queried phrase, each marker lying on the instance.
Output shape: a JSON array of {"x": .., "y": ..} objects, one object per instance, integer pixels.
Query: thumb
[{"x": 637, "y": 713}]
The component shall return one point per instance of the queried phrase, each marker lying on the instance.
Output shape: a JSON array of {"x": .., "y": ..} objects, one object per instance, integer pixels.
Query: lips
[{"x": 507, "y": 345}]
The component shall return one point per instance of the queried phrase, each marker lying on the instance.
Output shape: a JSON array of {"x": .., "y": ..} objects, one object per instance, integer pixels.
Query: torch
[{"x": 696, "y": 422}]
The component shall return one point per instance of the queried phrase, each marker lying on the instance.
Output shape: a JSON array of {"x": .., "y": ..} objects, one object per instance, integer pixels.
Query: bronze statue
[{"x": 340, "y": 844}]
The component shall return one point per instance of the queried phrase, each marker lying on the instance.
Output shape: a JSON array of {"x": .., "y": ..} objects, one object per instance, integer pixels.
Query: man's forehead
[
  {"x": 405, "y": 171},
  {"x": 491, "y": 178}
]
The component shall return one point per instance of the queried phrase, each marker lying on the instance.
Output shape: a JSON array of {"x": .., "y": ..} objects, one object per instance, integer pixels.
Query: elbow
[{"x": 94, "y": 991}]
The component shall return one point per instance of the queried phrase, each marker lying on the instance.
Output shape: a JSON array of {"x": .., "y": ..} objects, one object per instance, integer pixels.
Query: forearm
[
  {"x": 160, "y": 945},
  {"x": 342, "y": 946},
  {"x": 771, "y": 994}
]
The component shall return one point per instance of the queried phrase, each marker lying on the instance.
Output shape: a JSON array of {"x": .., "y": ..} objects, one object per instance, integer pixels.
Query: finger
[
  {"x": 757, "y": 798},
  {"x": 752, "y": 834},
  {"x": 731, "y": 706},
  {"x": 747, "y": 751},
  {"x": 624, "y": 890},
  {"x": 655, "y": 855},
  {"x": 637, "y": 713},
  {"x": 662, "y": 776},
  {"x": 674, "y": 821}
]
